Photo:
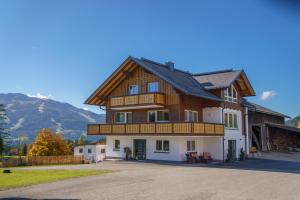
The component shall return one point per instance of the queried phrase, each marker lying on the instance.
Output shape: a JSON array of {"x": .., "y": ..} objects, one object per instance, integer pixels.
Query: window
[
  {"x": 190, "y": 116},
  {"x": 117, "y": 145},
  {"x": 89, "y": 150},
  {"x": 191, "y": 145},
  {"x": 133, "y": 89},
  {"x": 102, "y": 151},
  {"x": 230, "y": 94},
  {"x": 81, "y": 150},
  {"x": 153, "y": 87},
  {"x": 158, "y": 116},
  {"x": 123, "y": 117},
  {"x": 162, "y": 145},
  {"x": 231, "y": 120}
]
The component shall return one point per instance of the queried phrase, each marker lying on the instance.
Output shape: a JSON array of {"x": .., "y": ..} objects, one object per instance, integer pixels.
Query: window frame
[
  {"x": 115, "y": 146},
  {"x": 155, "y": 111},
  {"x": 233, "y": 98},
  {"x": 80, "y": 150},
  {"x": 148, "y": 88},
  {"x": 234, "y": 124},
  {"x": 89, "y": 150},
  {"x": 187, "y": 115},
  {"x": 162, "y": 145},
  {"x": 133, "y": 85},
  {"x": 189, "y": 144},
  {"x": 125, "y": 118}
]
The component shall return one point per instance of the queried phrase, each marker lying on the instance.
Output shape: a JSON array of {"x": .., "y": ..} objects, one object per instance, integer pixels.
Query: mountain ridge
[{"x": 28, "y": 115}]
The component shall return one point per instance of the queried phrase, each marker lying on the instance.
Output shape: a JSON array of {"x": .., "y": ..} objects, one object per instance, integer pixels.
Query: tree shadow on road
[{"x": 250, "y": 164}]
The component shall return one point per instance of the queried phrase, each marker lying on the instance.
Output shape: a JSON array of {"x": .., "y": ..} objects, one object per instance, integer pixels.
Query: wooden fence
[
  {"x": 49, "y": 160},
  {"x": 13, "y": 162}
]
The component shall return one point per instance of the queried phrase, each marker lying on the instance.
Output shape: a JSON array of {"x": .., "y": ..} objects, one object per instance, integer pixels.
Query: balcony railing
[
  {"x": 139, "y": 99},
  {"x": 184, "y": 128}
]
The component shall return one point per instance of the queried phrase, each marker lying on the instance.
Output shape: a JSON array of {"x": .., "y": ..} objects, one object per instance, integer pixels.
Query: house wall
[
  {"x": 178, "y": 147},
  {"x": 94, "y": 156}
]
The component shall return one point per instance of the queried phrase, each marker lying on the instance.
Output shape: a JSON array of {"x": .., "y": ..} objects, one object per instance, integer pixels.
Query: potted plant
[
  {"x": 128, "y": 152},
  {"x": 242, "y": 155}
]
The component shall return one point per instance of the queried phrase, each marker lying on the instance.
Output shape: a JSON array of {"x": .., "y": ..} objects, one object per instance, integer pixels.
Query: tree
[
  {"x": 22, "y": 140},
  {"x": 4, "y": 129},
  {"x": 1, "y": 147},
  {"x": 49, "y": 144},
  {"x": 81, "y": 140}
]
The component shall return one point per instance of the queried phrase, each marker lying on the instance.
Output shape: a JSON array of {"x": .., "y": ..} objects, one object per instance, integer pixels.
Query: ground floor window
[
  {"x": 191, "y": 145},
  {"x": 89, "y": 150},
  {"x": 117, "y": 145},
  {"x": 81, "y": 150},
  {"x": 162, "y": 145},
  {"x": 102, "y": 150}
]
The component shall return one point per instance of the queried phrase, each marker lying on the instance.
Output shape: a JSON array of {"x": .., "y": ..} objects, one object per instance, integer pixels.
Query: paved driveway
[{"x": 251, "y": 180}]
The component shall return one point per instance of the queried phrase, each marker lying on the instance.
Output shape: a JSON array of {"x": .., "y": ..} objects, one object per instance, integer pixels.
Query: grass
[{"x": 21, "y": 178}]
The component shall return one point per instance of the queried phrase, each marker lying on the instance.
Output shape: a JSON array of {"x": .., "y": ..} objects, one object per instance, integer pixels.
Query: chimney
[{"x": 170, "y": 65}]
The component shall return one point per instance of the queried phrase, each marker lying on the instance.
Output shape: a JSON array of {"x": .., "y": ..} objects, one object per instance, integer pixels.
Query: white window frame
[
  {"x": 155, "y": 111},
  {"x": 148, "y": 88},
  {"x": 233, "y": 98},
  {"x": 187, "y": 115},
  {"x": 162, "y": 146},
  {"x": 137, "y": 89},
  {"x": 191, "y": 147},
  {"x": 125, "y": 118},
  {"x": 233, "y": 116}
]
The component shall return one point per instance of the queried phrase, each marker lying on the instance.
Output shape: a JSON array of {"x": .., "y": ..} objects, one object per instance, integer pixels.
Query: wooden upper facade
[{"x": 144, "y": 100}]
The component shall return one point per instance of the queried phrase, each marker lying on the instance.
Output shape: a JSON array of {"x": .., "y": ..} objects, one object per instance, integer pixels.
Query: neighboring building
[
  {"x": 94, "y": 152},
  {"x": 161, "y": 112},
  {"x": 298, "y": 124},
  {"x": 267, "y": 129}
]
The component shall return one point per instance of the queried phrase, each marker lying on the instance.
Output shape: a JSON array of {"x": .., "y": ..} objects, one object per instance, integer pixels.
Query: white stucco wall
[
  {"x": 214, "y": 115},
  {"x": 95, "y": 155},
  {"x": 178, "y": 146}
]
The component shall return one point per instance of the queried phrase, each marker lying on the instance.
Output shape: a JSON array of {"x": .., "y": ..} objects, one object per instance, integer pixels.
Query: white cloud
[
  {"x": 40, "y": 96},
  {"x": 268, "y": 94}
]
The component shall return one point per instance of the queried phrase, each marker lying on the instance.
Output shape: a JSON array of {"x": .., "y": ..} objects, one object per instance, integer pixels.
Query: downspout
[
  {"x": 223, "y": 136},
  {"x": 247, "y": 131}
]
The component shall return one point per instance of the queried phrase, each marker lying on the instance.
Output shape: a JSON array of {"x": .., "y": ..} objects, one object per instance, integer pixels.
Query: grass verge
[{"x": 21, "y": 178}]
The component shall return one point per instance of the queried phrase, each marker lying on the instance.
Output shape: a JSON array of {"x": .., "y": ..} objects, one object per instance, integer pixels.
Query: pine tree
[
  {"x": 81, "y": 140},
  {"x": 4, "y": 129}
]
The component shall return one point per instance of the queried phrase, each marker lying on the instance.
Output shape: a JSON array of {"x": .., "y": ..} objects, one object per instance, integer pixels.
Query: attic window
[{"x": 230, "y": 94}]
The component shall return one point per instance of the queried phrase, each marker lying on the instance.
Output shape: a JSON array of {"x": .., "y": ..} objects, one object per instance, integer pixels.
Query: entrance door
[
  {"x": 232, "y": 149},
  {"x": 140, "y": 149}
]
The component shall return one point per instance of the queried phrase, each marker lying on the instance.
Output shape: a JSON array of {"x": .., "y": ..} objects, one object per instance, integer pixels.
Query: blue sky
[{"x": 67, "y": 48}]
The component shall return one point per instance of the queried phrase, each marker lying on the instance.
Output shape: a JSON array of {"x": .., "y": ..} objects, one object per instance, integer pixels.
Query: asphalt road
[{"x": 251, "y": 180}]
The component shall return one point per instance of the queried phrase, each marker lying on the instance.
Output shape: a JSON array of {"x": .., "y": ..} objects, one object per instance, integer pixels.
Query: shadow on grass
[{"x": 250, "y": 164}]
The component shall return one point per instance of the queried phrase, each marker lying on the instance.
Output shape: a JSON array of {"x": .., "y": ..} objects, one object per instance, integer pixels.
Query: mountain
[
  {"x": 30, "y": 114},
  {"x": 294, "y": 121}
]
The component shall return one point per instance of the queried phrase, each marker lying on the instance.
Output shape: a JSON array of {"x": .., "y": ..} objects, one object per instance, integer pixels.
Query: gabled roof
[
  {"x": 260, "y": 109},
  {"x": 183, "y": 81},
  {"x": 223, "y": 79}
]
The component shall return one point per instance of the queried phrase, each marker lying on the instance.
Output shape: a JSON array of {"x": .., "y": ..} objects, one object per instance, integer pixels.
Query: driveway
[{"x": 251, "y": 180}]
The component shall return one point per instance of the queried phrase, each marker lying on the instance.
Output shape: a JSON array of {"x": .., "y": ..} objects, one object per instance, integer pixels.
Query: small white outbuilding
[{"x": 94, "y": 152}]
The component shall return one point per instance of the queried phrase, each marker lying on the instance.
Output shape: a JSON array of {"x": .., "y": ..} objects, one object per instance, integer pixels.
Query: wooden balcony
[
  {"x": 184, "y": 128},
  {"x": 138, "y": 101}
]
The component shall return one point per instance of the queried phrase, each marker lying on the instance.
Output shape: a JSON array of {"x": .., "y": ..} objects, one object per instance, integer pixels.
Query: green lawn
[{"x": 20, "y": 178}]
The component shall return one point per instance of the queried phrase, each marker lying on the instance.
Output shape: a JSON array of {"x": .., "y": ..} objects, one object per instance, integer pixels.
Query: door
[
  {"x": 140, "y": 149},
  {"x": 232, "y": 149}
]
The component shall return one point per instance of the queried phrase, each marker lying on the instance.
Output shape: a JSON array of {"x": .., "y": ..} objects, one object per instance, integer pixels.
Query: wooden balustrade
[
  {"x": 140, "y": 99},
  {"x": 182, "y": 128}
]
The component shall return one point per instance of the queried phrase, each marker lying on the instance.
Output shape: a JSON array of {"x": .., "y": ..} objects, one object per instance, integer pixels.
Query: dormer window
[
  {"x": 133, "y": 89},
  {"x": 153, "y": 87},
  {"x": 230, "y": 94}
]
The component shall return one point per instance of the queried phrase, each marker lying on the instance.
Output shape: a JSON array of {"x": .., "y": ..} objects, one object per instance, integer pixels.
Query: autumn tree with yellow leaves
[{"x": 49, "y": 144}]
